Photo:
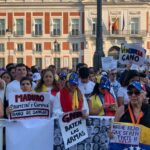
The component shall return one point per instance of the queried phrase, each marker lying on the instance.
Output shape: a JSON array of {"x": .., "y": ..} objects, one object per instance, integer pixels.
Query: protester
[
  {"x": 102, "y": 101},
  {"x": 113, "y": 81},
  {"x": 127, "y": 77},
  {"x": 47, "y": 82},
  {"x": 26, "y": 84},
  {"x": 85, "y": 85},
  {"x": 136, "y": 111},
  {"x": 6, "y": 76},
  {"x": 14, "y": 86},
  {"x": 70, "y": 98}
]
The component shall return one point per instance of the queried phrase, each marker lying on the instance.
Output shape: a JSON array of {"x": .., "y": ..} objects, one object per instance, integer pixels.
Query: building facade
[{"x": 63, "y": 32}]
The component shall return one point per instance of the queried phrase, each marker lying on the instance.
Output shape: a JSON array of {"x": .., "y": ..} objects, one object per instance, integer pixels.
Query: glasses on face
[
  {"x": 113, "y": 73},
  {"x": 133, "y": 92}
]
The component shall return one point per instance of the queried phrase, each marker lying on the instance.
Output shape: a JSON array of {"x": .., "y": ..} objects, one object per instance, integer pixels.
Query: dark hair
[
  {"x": 21, "y": 65},
  {"x": 84, "y": 72},
  {"x": 6, "y": 72},
  {"x": 80, "y": 65},
  {"x": 95, "y": 89},
  {"x": 26, "y": 78}
]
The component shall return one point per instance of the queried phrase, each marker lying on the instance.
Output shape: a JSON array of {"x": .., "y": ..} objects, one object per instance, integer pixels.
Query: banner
[
  {"x": 33, "y": 134},
  {"x": 97, "y": 128},
  {"x": 132, "y": 54},
  {"x": 73, "y": 128},
  {"x": 127, "y": 136},
  {"x": 29, "y": 105}
]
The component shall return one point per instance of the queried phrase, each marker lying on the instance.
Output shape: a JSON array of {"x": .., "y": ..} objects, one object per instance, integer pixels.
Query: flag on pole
[
  {"x": 115, "y": 25},
  {"x": 123, "y": 23}
]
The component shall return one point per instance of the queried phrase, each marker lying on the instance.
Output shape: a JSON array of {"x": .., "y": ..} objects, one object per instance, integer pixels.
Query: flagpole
[{"x": 99, "y": 38}]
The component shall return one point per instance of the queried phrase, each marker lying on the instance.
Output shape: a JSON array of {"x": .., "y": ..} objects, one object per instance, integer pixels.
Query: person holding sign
[
  {"x": 102, "y": 101},
  {"x": 136, "y": 111},
  {"x": 26, "y": 86},
  {"x": 70, "y": 98}
]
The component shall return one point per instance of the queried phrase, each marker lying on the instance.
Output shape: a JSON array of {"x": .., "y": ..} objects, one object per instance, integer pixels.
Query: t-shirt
[
  {"x": 86, "y": 88},
  {"x": 122, "y": 92}
]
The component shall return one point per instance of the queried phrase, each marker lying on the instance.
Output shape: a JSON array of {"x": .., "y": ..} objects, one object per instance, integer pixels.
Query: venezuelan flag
[{"x": 143, "y": 145}]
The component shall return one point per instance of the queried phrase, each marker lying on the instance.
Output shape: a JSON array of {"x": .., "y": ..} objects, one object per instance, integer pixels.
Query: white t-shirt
[
  {"x": 86, "y": 88},
  {"x": 122, "y": 92}
]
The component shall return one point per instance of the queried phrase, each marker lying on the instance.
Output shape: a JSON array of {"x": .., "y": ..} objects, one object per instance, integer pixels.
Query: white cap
[{"x": 36, "y": 76}]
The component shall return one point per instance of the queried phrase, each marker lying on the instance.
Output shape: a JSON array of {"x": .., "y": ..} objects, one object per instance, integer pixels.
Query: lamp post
[
  {"x": 8, "y": 32},
  {"x": 99, "y": 38}
]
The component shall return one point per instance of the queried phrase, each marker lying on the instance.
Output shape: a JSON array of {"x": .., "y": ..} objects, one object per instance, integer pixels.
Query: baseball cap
[
  {"x": 135, "y": 84},
  {"x": 73, "y": 79}
]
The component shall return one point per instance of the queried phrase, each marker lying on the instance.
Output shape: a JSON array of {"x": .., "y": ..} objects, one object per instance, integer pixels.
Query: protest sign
[
  {"x": 125, "y": 134},
  {"x": 132, "y": 54},
  {"x": 136, "y": 137},
  {"x": 107, "y": 62},
  {"x": 73, "y": 128},
  {"x": 35, "y": 134},
  {"x": 97, "y": 128},
  {"x": 29, "y": 105}
]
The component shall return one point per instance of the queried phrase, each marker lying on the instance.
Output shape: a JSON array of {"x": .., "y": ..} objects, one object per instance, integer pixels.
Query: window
[
  {"x": 57, "y": 63},
  {"x": 94, "y": 23},
  {"x": 2, "y": 27},
  {"x": 38, "y": 47},
  {"x": 19, "y": 27},
  {"x": 38, "y": 27},
  {"x": 2, "y": 62},
  {"x": 75, "y": 61},
  {"x": 134, "y": 25},
  {"x": 20, "y": 47},
  {"x": 56, "y": 26},
  {"x": 75, "y": 47},
  {"x": 2, "y": 48},
  {"x": 75, "y": 26},
  {"x": 38, "y": 62},
  {"x": 56, "y": 47},
  {"x": 19, "y": 60}
]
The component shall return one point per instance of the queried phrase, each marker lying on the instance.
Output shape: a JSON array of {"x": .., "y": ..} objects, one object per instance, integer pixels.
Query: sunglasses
[{"x": 134, "y": 92}]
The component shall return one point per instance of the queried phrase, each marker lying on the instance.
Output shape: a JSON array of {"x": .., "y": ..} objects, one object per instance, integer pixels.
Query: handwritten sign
[
  {"x": 125, "y": 134},
  {"x": 107, "y": 62},
  {"x": 73, "y": 128},
  {"x": 29, "y": 105},
  {"x": 130, "y": 53}
]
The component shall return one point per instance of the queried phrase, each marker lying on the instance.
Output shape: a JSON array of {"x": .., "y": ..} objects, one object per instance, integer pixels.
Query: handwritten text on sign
[
  {"x": 125, "y": 134},
  {"x": 29, "y": 105},
  {"x": 73, "y": 128},
  {"x": 130, "y": 53}
]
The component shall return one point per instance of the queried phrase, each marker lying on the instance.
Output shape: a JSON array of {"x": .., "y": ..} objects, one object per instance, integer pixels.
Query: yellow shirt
[{"x": 96, "y": 103}]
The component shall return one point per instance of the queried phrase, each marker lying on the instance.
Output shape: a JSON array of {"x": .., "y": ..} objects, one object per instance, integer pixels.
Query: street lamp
[
  {"x": 8, "y": 33},
  {"x": 99, "y": 38}
]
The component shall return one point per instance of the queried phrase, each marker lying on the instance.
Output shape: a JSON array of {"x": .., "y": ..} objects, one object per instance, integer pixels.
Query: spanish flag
[
  {"x": 115, "y": 25},
  {"x": 144, "y": 140}
]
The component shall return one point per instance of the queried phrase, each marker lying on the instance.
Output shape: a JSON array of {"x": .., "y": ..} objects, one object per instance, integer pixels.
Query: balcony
[
  {"x": 56, "y": 32},
  {"x": 120, "y": 34},
  {"x": 18, "y": 33},
  {"x": 37, "y": 34}
]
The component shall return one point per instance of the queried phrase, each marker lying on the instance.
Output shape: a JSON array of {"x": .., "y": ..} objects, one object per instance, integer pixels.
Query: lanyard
[{"x": 133, "y": 119}]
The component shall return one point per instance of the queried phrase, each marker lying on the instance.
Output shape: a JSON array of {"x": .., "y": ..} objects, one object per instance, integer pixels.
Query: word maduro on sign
[{"x": 29, "y": 97}]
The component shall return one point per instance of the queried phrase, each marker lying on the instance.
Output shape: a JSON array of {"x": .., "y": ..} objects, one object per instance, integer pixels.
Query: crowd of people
[{"x": 123, "y": 94}]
